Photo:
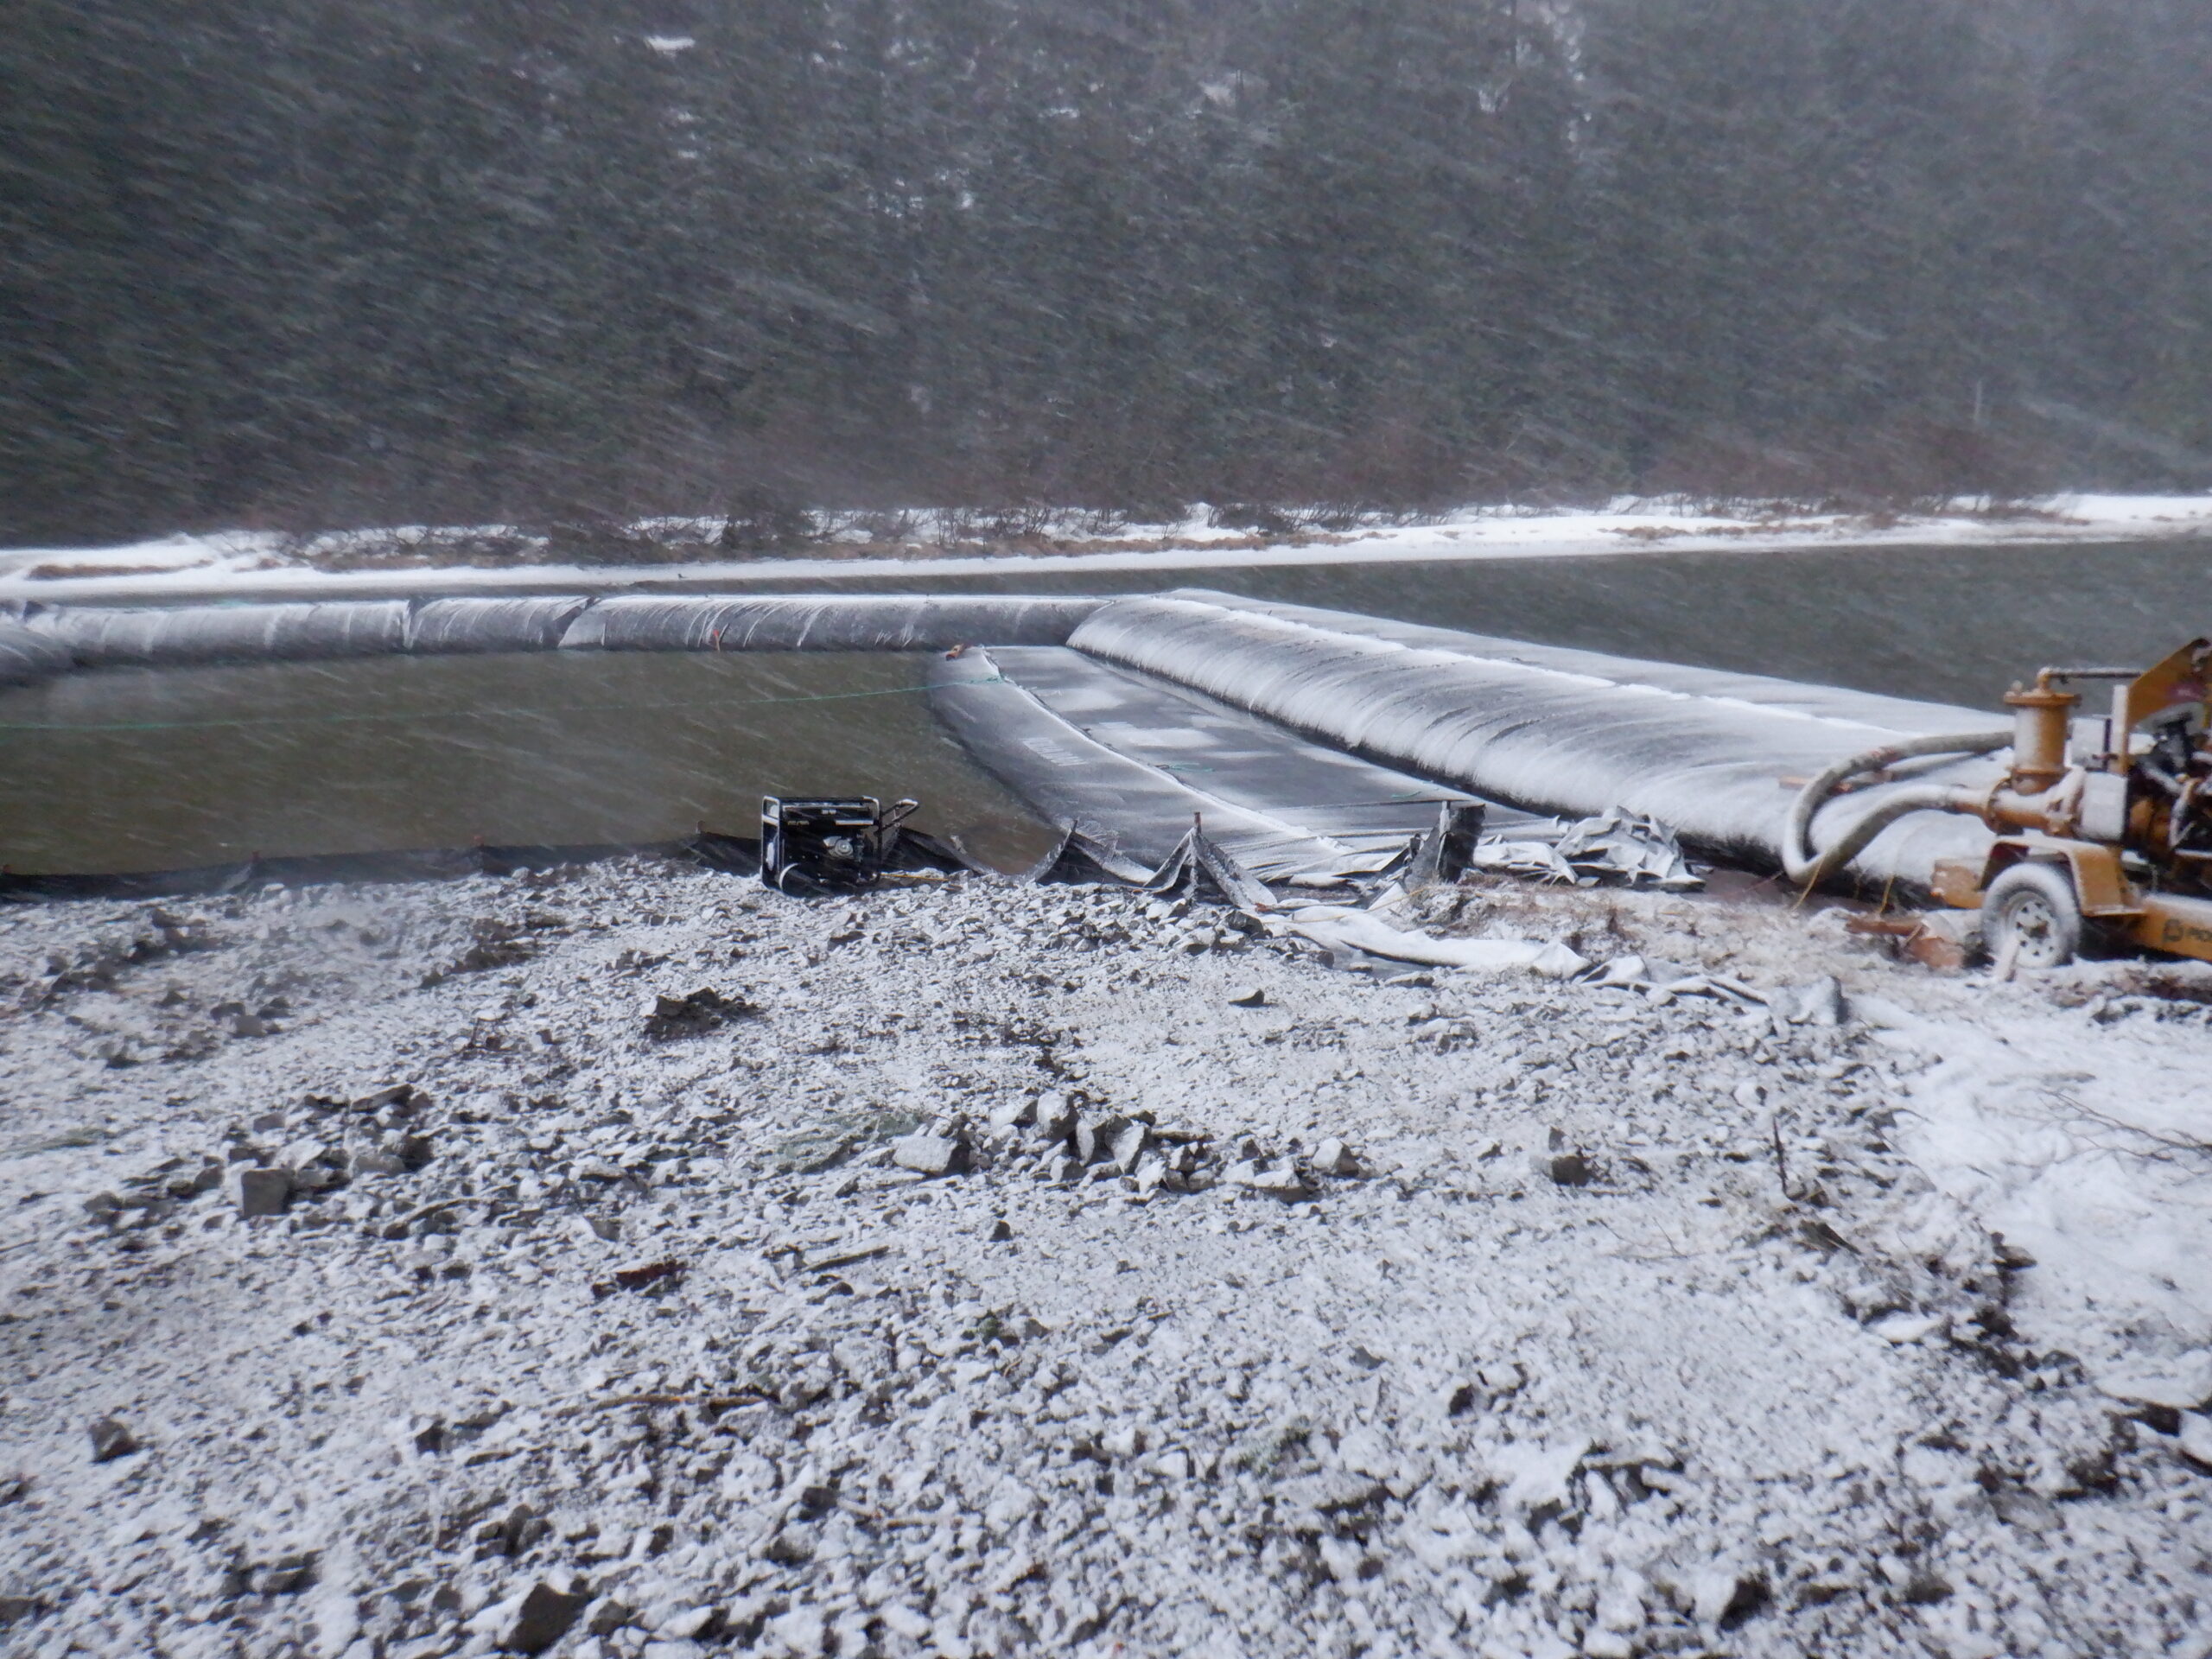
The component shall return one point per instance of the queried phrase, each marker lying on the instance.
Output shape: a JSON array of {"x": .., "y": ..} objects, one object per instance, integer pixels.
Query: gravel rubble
[{"x": 625, "y": 1261}]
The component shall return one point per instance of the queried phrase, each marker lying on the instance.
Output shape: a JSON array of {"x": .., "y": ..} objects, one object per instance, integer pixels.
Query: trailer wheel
[{"x": 2030, "y": 915}]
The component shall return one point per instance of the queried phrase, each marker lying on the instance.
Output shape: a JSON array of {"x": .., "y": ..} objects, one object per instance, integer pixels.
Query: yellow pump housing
[{"x": 2114, "y": 838}]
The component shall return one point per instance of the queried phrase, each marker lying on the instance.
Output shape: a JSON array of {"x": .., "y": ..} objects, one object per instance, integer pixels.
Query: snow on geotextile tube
[
  {"x": 488, "y": 625},
  {"x": 1715, "y": 754},
  {"x": 100, "y": 637},
  {"x": 305, "y": 631},
  {"x": 27, "y": 657},
  {"x": 825, "y": 622}
]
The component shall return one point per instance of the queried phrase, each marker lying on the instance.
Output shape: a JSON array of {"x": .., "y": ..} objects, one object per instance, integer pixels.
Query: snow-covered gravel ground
[{"x": 1633, "y": 1329}]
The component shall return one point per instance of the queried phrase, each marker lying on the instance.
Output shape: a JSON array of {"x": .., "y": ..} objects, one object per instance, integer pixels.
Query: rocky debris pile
[
  {"x": 1065, "y": 1139},
  {"x": 313, "y": 1151},
  {"x": 98, "y": 964},
  {"x": 1009, "y": 1275},
  {"x": 695, "y": 1014}
]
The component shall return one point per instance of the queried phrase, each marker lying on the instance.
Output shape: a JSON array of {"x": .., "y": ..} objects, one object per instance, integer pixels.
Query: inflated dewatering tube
[
  {"x": 1717, "y": 756},
  {"x": 50, "y": 641},
  {"x": 825, "y": 622}
]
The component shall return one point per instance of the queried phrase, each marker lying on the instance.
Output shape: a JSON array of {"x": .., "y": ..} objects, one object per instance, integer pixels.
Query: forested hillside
[{"x": 302, "y": 262}]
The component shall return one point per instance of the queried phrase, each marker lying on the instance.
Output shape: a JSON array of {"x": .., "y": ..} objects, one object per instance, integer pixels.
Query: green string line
[{"x": 453, "y": 713}]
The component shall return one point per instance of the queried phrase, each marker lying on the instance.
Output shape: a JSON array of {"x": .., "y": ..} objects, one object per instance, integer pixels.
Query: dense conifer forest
[{"x": 301, "y": 262}]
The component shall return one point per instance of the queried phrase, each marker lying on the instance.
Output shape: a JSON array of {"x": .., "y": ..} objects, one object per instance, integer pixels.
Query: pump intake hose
[{"x": 1809, "y": 869}]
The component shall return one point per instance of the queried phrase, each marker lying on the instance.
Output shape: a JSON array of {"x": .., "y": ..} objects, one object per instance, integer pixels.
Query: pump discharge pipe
[
  {"x": 2107, "y": 844},
  {"x": 1808, "y": 868},
  {"x": 2041, "y": 793}
]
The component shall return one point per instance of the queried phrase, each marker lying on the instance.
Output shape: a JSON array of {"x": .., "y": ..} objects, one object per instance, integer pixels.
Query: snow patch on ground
[{"x": 2086, "y": 1147}]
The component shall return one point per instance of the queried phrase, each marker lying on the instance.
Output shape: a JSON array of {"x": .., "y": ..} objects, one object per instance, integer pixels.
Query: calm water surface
[{"x": 135, "y": 769}]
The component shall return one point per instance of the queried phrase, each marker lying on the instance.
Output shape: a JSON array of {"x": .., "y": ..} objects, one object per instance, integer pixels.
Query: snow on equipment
[{"x": 2104, "y": 827}]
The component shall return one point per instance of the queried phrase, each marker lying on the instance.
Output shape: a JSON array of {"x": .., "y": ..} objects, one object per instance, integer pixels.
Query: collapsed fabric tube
[
  {"x": 1131, "y": 817},
  {"x": 1336, "y": 927},
  {"x": 1717, "y": 756},
  {"x": 1225, "y": 757}
]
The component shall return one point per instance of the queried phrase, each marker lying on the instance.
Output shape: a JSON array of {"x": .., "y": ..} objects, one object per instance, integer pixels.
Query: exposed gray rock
[
  {"x": 1128, "y": 1147},
  {"x": 111, "y": 1440},
  {"x": 1717, "y": 1592},
  {"x": 1053, "y": 1115},
  {"x": 1559, "y": 1163},
  {"x": 1330, "y": 1491},
  {"x": 283, "y": 1574},
  {"x": 928, "y": 1154},
  {"x": 2194, "y": 1437},
  {"x": 259, "y": 1192},
  {"x": 1332, "y": 1157},
  {"x": 606, "y": 1616},
  {"x": 1095, "y": 1137},
  {"x": 1276, "y": 1177},
  {"x": 541, "y": 1617}
]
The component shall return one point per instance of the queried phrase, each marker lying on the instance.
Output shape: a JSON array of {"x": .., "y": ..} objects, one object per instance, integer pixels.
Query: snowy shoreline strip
[{"x": 238, "y": 564}]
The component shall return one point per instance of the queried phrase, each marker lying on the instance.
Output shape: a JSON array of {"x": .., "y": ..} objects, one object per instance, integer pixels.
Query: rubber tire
[{"x": 2035, "y": 903}]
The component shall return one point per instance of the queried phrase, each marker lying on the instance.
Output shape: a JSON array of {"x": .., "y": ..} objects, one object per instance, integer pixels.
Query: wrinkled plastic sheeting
[
  {"x": 1125, "y": 816},
  {"x": 305, "y": 631},
  {"x": 1620, "y": 846},
  {"x": 1640, "y": 851},
  {"x": 1343, "y": 931},
  {"x": 28, "y": 657},
  {"x": 1195, "y": 859},
  {"x": 1575, "y": 734},
  {"x": 825, "y": 622}
]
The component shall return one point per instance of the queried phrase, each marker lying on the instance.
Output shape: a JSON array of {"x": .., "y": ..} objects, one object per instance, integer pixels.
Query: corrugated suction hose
[{"x": 1810, "y": 868}]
